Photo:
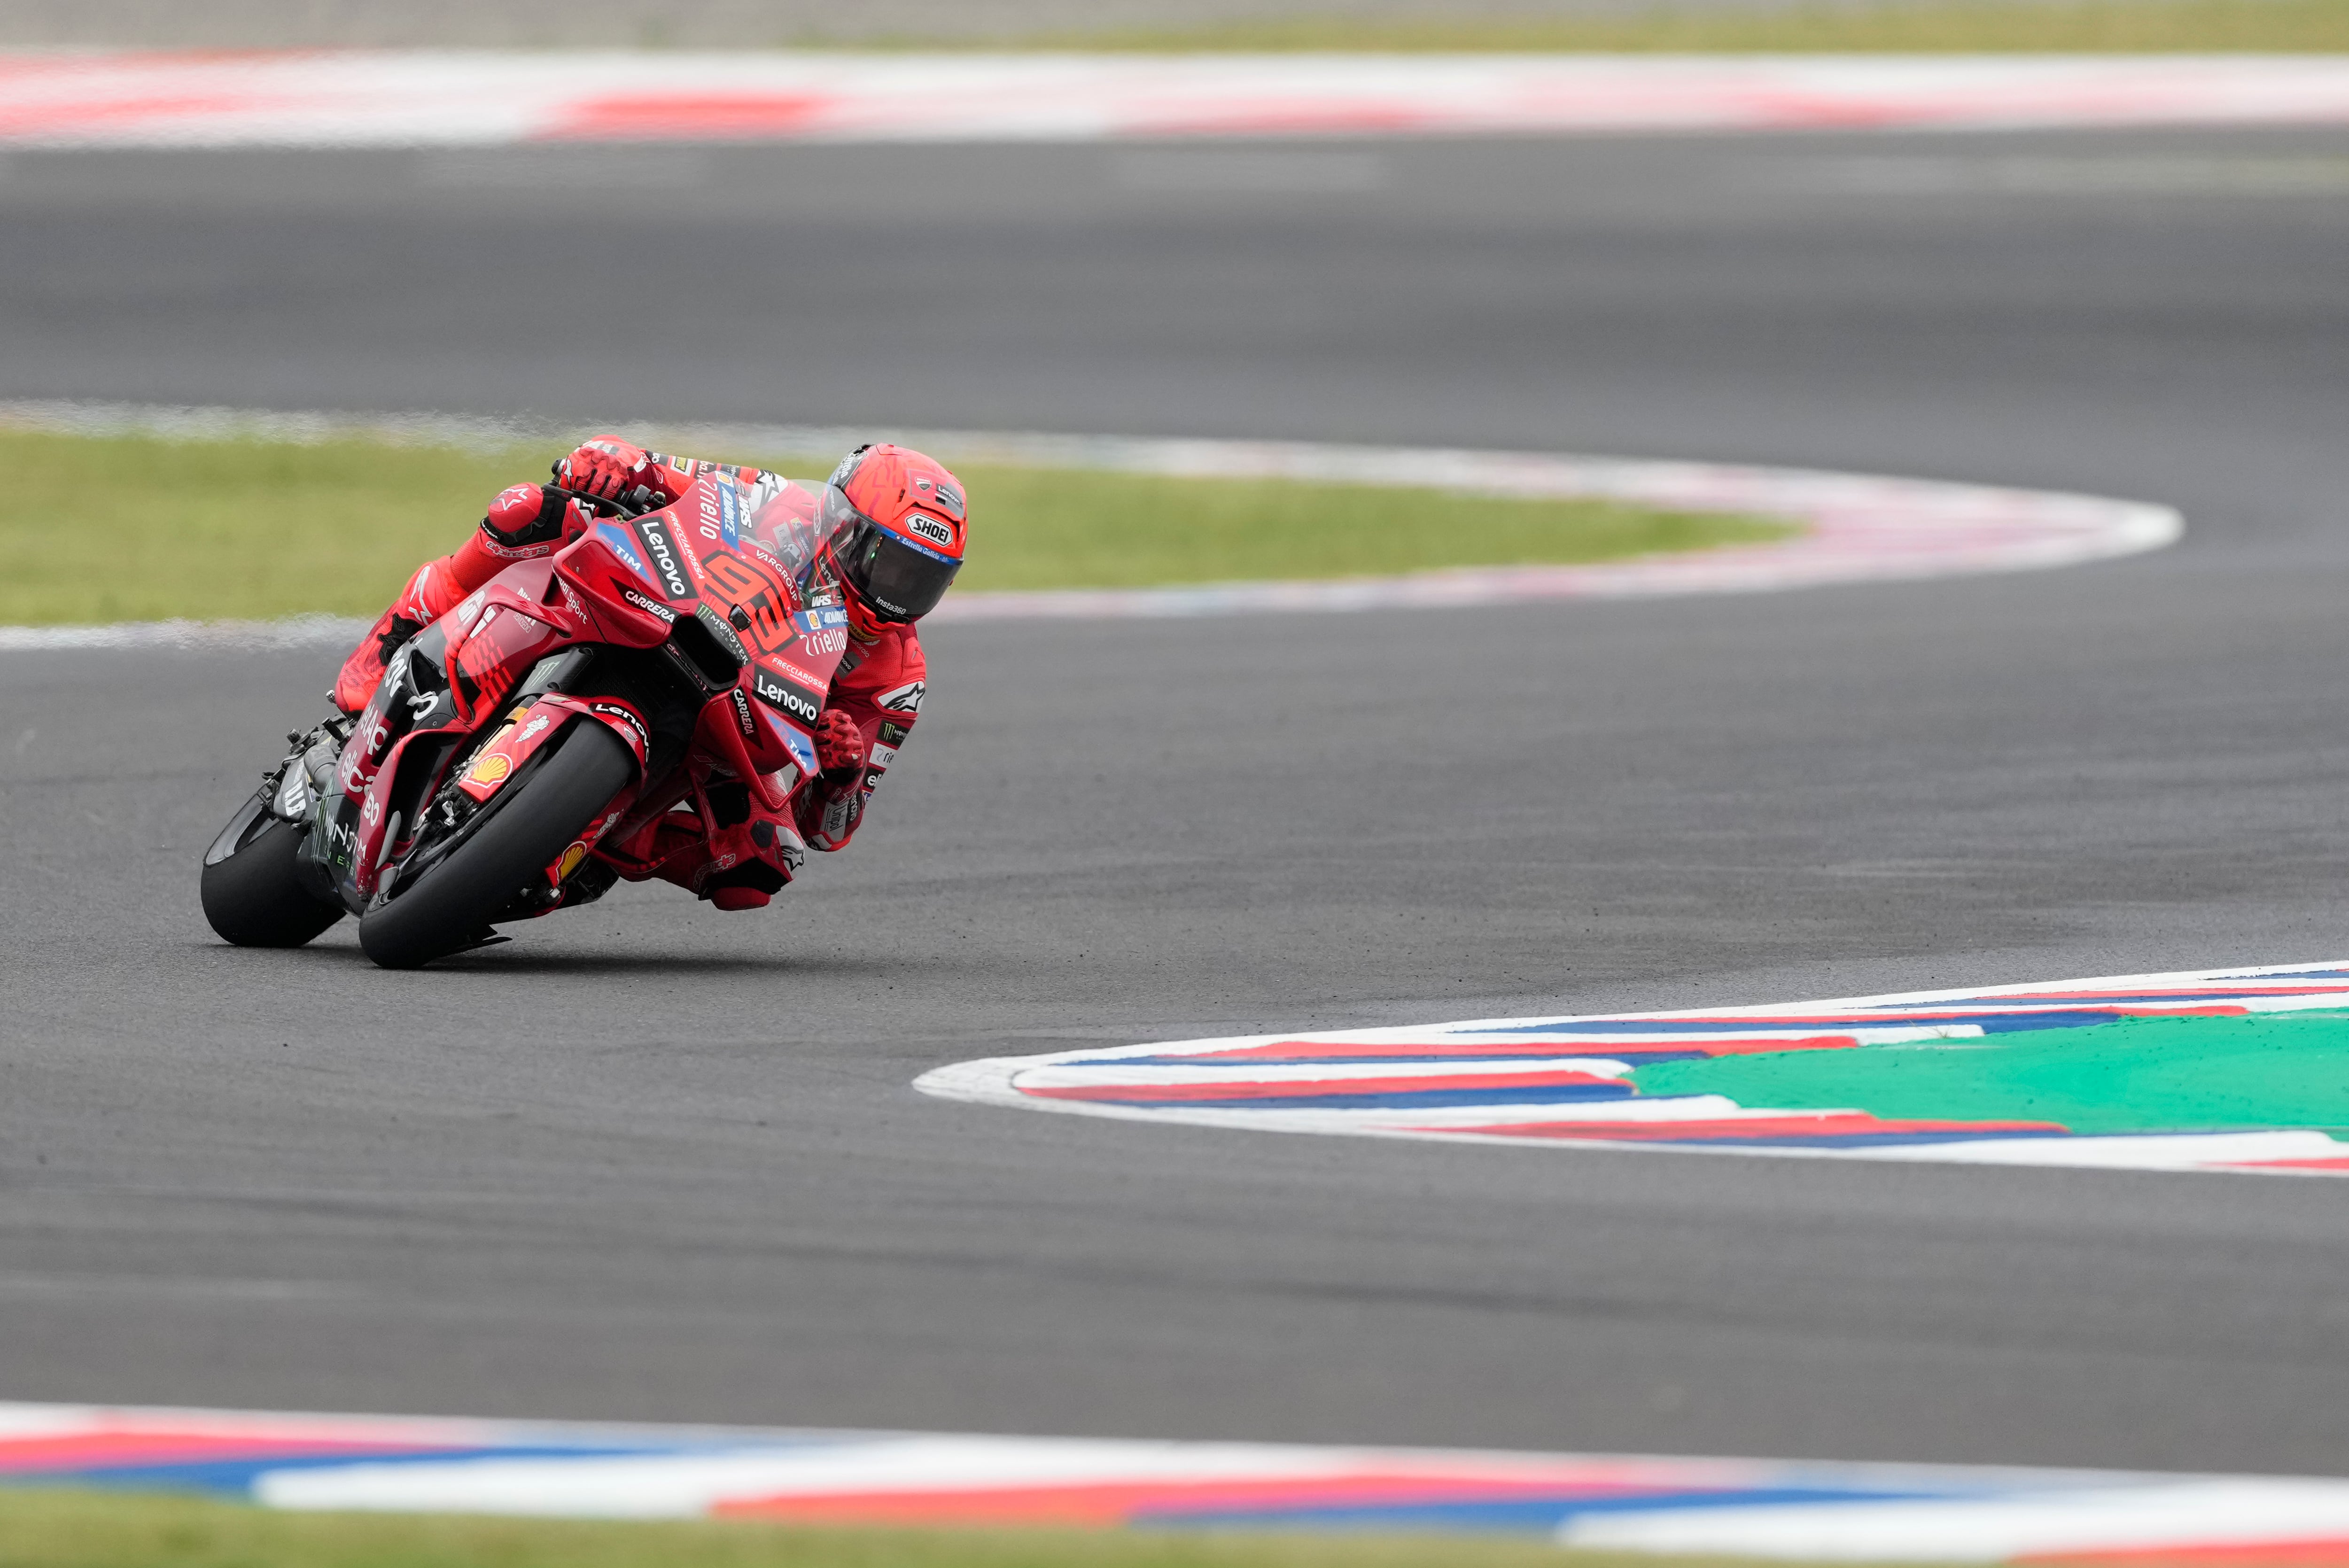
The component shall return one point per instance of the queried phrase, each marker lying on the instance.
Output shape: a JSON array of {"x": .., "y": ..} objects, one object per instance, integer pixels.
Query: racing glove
[
  {"x": 839, "y": 747},
  {"x": 609, "y": 475}
]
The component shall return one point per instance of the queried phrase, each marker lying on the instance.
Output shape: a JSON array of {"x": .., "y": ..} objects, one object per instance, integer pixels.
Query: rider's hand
[
  {"x": 604, "y": 475},
  {"x": 839, "y": 746}
]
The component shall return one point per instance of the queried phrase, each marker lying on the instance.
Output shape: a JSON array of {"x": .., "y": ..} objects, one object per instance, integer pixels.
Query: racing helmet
[{"x": 894, "y": 521}]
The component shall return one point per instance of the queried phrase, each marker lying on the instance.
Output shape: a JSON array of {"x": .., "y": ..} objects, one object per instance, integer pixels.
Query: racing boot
[
  {"x": 740, "y": 865},
  {"x": 428, "y": 596}
]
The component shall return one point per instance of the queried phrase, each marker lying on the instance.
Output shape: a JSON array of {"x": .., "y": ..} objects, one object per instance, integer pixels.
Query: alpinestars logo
[
  {"x": 906, "y": 698},
  {"x": 669, "y": 562}
]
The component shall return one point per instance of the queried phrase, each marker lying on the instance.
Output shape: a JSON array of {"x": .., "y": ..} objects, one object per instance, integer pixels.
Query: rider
[{"x": 892, "y": 522}]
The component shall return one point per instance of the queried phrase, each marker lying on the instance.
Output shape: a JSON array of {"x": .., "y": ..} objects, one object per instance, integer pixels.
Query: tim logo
[{"x": 931, "y": 529}]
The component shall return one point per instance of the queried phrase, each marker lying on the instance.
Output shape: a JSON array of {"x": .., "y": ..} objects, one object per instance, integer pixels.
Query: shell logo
[
  {"x": 491, "y": 769},
  {"x": 571, "y": 859}
]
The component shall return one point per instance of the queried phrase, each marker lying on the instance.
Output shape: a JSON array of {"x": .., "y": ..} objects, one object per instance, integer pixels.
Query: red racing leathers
[{"x": 876, "y": 691}]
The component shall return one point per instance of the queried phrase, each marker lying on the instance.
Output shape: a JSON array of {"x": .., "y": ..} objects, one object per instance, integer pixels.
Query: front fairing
[
  {"x": 447, "y": 682},
  {"x": 750, "y": 551}
]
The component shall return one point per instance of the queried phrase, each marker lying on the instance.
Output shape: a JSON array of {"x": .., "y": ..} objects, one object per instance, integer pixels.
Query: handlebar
[{"x": 633, "y": 504}]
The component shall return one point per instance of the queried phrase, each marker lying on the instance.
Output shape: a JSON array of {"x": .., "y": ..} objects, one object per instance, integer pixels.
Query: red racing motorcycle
[{"x": 518, "y": 750}]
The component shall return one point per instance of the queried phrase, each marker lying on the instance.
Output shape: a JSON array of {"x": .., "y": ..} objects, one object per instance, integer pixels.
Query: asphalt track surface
[{"x": 650, "y": 1161}]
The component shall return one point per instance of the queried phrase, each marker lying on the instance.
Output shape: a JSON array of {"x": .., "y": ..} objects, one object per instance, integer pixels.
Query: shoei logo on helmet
[{"x": 931, "y": 529}]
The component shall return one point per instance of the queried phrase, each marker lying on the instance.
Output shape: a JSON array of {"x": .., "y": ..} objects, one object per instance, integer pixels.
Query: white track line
[
  {"x": 390, "y": 99},
  {"x": 1854, "y": 528}
]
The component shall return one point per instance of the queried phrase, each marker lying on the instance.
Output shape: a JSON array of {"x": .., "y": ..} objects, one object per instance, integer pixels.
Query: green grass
[
  {"x": 116, "y": 1530},
  {"x": 138, "y": 527},
  {"x": 2085, "y": 26},
  {"x": 1039, "y": 528}
]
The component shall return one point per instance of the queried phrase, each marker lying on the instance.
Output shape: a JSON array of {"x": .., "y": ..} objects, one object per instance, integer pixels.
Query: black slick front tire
[{"x": 453, "y": 898}]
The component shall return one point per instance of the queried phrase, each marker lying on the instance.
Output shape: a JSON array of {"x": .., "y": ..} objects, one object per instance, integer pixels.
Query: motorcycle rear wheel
[
  {"x": 251, "y": 894},
  {"x": 454, "y": 898}
]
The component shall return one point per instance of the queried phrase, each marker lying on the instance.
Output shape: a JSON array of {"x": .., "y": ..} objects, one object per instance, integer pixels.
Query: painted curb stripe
[
  {"x": 487, "y": 97},
  {"x": 1576, "y": 1082},
  {"x": 1854, "y": 528},
  {"x": 1764, "y": 1507}
]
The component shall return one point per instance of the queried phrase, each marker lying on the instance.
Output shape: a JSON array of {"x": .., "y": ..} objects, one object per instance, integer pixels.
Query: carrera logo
[
  {"x": 931, "y": 529},
  {"x": 666, "y": 556},
  {"x": 785, "y": 696},
  {"x": 906, "y": 698},
  {"x": 742, "y": 714},
  {"x": 649, "y": 605}
]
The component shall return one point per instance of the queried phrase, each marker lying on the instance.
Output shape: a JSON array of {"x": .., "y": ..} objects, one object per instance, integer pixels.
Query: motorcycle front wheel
[
  {"x": 251, "y": 894},
  {"x": 530, "y": 824}
]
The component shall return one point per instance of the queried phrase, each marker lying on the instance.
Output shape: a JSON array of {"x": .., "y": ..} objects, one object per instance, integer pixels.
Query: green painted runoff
[{"x": 2140, "y": 1075}]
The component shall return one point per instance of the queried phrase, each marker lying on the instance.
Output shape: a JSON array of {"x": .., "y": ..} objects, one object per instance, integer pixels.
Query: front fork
[{"x": 342, "y": 784}]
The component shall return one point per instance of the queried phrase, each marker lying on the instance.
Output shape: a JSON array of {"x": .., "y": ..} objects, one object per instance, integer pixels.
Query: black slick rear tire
[
  {"x": 251, "y": 894},
  {"x": 453, "y": 900}
]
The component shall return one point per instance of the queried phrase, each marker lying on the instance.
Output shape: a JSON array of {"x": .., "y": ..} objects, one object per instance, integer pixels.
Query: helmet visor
[{"x": 900, "y": 580}]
